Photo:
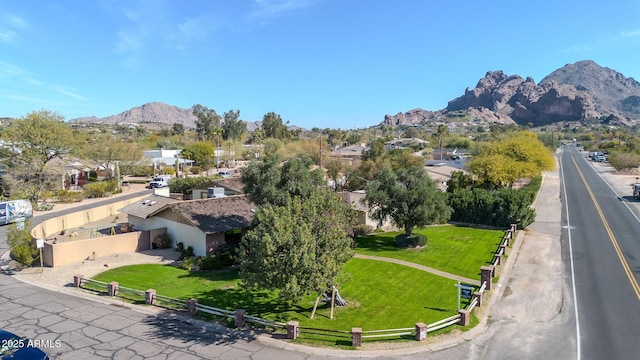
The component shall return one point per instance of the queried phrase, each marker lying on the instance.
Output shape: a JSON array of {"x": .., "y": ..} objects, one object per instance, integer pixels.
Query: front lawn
[
  {"x": 380, "y": 295},
  {"x": 457, "y": 250}
]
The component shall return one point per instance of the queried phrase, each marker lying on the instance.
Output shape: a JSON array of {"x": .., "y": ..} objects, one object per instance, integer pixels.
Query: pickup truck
[{"x": 159, "y": 181}]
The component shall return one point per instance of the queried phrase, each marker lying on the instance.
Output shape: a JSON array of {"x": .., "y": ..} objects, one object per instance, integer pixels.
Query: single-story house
[
  {"x": 203, "y": 224},
  {"x": 356, "y": 199},
  {"x": 231, "y": 185}
]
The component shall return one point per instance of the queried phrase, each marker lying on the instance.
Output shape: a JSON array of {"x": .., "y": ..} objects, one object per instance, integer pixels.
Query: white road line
[{"x": 573, "y": 277}]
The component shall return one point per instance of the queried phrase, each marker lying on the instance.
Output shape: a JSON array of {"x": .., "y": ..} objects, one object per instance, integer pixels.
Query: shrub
[
  {"x": 189, "y": 263},
  {"x": 99, "y": 189},
  {"x": 127, "y": 227},
  {"x": 45, "y": 207},
  {"x": 180, "y": 247},
  {"x": 362, "y": 230},
  {"x": 168, "y": 171},
  {"x": 185, "y": 185},
  {"x": 624, "y": 161},
  {"x": 219, "y": 260},
  {"x": 415, "y": 240},
  {"x": 67, "y": 197},
  {"x": 196, "y": 170},
  {"x": 162, "y": 241},
  {"x": 21, "y": 244}
]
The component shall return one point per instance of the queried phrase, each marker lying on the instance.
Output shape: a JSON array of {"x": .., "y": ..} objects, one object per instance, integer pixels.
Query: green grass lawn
[
  {"x": 457, "y": 250},
  {"x": 380, "y": 295}
]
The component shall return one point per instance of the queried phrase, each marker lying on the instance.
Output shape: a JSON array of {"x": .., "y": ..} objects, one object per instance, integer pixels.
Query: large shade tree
[
  {"x": 297, "y": 247},
  {"x": 268, "y": 182},
  {"x": 409, "y": 197},
  {"x": 31, "y": 143}
]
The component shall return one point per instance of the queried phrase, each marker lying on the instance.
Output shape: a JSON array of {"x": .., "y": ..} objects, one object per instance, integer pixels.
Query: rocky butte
[{"x": 575, "y": 92}]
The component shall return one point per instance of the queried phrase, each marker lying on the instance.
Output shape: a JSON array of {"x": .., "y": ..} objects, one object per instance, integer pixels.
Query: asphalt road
[{"x": 601, "y": 240}]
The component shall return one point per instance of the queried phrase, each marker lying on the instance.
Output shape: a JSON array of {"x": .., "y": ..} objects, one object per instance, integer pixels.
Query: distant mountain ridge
[
  {"x": 575, "y": 92},
  {"x": 154, "y": 115}
]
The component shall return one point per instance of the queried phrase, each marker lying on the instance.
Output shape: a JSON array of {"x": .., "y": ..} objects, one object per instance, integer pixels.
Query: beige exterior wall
[
  {"x": 75, "y": 251},
  {"x": 187, "y": 234},
  {"x": 53, "y": 227}
]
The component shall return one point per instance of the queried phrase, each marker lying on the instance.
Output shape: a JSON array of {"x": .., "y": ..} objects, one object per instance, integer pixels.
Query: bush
[
  {"x": 362, "y": 230},
  {"x": 415, "y": 240},
  {"x": 189, "y": 263},
  {"x": 99, "y": 189},
  {"x": 21, "y": 244},
  {"x": 45, "y": 207},
  {"x": 180, "y": 247},
  {"x": 196, "y": 170},
  {"x": 162, "y": 241},
  {"x": 218, "y": 260},
  {"x": 67, "y": 197},
  {"x": 168, "y": 171},
  {"x": 624, "y": 161}
]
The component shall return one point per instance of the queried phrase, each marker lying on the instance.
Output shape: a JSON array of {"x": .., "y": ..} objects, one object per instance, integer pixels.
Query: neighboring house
[
  {"x": 166, "y": 158},
  {"x": 231, "y": 185},
  {"x": 356, "y": 199},
  {"x": 75, "y": 173},
  {"x": 203, "y": 224}
]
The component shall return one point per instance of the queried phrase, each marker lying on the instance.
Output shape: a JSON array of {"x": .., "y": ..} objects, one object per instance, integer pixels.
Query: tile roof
[{"x": 217, "y": 215}]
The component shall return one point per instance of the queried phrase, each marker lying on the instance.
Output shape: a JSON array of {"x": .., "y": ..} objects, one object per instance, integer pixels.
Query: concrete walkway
[{"x": 419, "y": 267}]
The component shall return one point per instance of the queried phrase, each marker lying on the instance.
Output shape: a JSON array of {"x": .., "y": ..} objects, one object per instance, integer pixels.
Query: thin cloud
[
  {"x": 630, "y": 34},
  {"x": 17, "y": 22},
  {"x": 275, "y": 8},
  {"x": 8, "y": 26},
  {"x": 577, "y": 49},
  {"x": 18, "y": 76},
  {"x": 70, "y": 93}
]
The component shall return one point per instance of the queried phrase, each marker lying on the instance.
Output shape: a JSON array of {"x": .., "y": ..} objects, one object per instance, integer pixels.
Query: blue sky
[{"x": 317, "y": 63}]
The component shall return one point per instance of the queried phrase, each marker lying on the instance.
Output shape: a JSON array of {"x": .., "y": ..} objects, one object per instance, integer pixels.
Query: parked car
[
  {"x": 600, "y": 158},
  {"x": 15, "y": 347},
  {"x": 159, "y": 181}
]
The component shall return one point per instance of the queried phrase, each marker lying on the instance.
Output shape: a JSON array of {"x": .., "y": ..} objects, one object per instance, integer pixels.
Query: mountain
[
  {"x": 575, "y": 92},
  {"x": 613, "y": 93},
  {"x": 151, "y": 115}
]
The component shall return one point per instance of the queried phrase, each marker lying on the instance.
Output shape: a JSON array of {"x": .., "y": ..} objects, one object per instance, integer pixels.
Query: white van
[{"x": 160, "y": 181}]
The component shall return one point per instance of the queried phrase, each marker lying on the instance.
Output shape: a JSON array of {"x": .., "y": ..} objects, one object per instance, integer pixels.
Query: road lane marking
[
  {"x": 623, "y": 261},
  {"x": 573, "y": 276}
]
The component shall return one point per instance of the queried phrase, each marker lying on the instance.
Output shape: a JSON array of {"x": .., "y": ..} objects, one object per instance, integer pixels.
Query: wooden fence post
[
  {"x": 486, "y": 276},
  {"x": 465, "y": 316},
  {"x": 356, "y": 337},
  {"x": 421, "y": 331},
  {"x": 238, "y": 319},
  {"x": 192, "y": 306},
  {"x": 77, "y": 280},
  {"x": 478, "y": 296},
  {"x": 112, "y": 288},
  {"x": 292, "y": 330},
  {"x": 150, "y": 296}
]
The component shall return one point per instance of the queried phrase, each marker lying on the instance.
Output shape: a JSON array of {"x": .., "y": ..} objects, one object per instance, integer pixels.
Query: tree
[
  {"x": 297, "y": 247},
  {"x": 207, "y": 121},
  {"x": 107, "y": 149},
  {"x": 409, "y": 197},
  {"x": 266, "y": 182},
  {"x": 441, "y": 132},
  {"x": 201, "y": 152},
  {"x": 519, "y": 155},
  {"x": 233, "y": 127},
  {"x": 273, "y": 127},
  {"x": 32, "y": 142},
  {"x": 177, "y": 129}
]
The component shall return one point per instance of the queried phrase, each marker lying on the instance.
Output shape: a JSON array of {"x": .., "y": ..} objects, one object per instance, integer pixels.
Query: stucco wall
[
  {"x": 187, "y": 234},
  {"x": 53, "y": 227},
  {"x": 75, "y": 251}
]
